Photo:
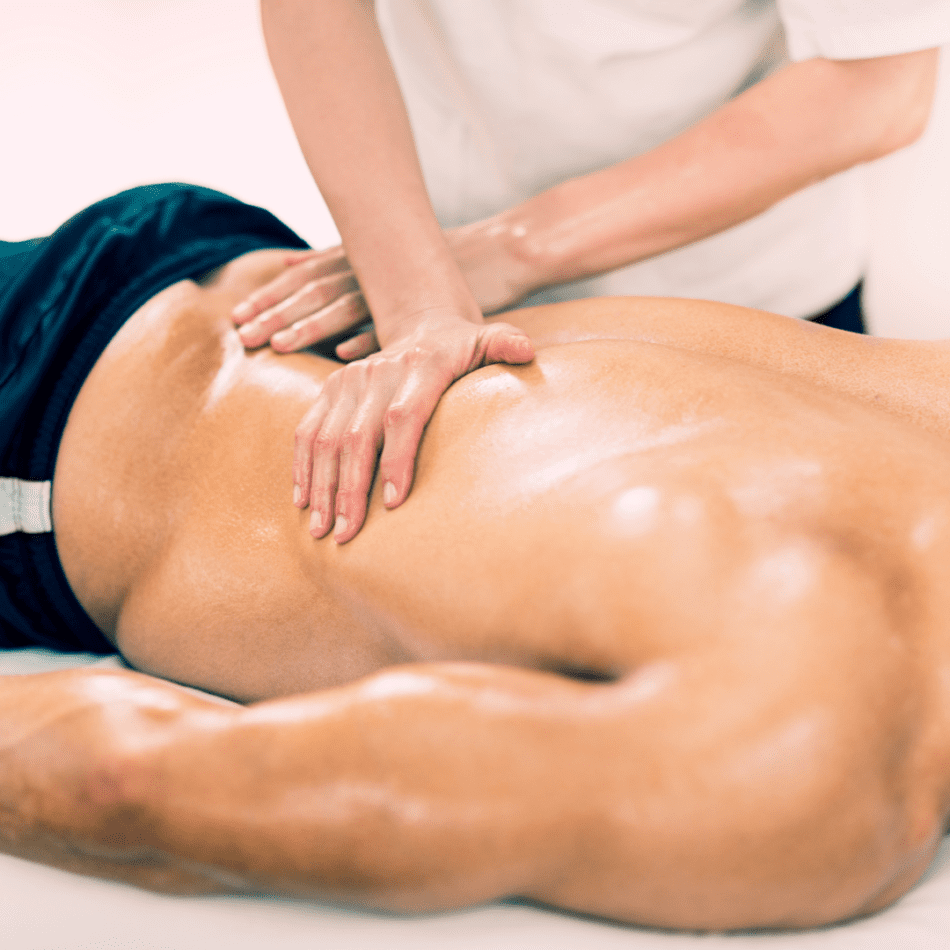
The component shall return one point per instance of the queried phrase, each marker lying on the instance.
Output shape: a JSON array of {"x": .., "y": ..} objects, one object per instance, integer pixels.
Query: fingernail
[
  {"x": 389, "y": 493},
  {"x": 298, "y": 494},
  {"x": 284, "y": 338},
  {"x": 241, "y": 310},
  {"x": 316, "y": 522},
  {"x": 340, "y": 527},
  {"x": 246, "y": 331}
]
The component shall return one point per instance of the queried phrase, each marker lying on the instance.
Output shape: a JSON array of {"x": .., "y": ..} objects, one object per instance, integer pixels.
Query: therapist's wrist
[
  {"x": 544, "y": 237},
  {"x": 401, "y": 321},
  {"x": 403, "y": 288},
  {"x": 500, "y": 259}
]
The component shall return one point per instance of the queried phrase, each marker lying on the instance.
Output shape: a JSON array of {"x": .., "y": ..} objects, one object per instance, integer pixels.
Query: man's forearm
[
  {"x": 377, "y": 793},
  {"x": 387, "y": 793},
  {"x": 65, "y": 797},
  {"x": 803, "y": 124},
  {"x": 347, "y": 110}
]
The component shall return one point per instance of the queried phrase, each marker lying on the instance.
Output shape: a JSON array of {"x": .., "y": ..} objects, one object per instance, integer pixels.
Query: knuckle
[
  {"x": 355, "y": 441},
  {"x": 269, "y": 297},
  {"x": 321, "y": 490},
  {"x": 325, "y": 443},
  {"x": 397, "y": 415},
  {"x": 375, "y": 367},
  {"x": 350, "y": 375},
  {"x": 351, "y": 502},
  {"x": 305, "y": 429},
  {"x": 336, "y": 381},
  {"x": 313, "y": 291},
  {"x": 362, "y": 370}
]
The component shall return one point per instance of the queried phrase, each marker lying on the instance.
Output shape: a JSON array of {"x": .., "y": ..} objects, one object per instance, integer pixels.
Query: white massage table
[{"x": 46, "y": 909}]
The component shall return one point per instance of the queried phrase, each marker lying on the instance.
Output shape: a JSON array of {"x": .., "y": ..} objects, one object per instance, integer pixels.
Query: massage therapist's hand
[
  {"x": 314, "y": 298},
  {"x": 383, "y": 403},
  {"x": 317, "y": 296}
]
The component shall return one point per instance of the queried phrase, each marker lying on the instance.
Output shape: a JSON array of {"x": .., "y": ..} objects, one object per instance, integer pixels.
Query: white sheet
[{"x": 45, "y": 909}]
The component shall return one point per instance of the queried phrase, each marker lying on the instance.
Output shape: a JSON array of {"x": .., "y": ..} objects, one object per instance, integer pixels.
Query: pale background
[{"x": 99, "y": 95}]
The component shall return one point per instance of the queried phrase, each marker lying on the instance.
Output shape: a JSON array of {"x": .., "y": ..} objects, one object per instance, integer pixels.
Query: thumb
[{"x": 507, "y": 344}]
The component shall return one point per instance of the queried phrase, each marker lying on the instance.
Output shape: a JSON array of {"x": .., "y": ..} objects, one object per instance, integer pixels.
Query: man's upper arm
[
  {"x": 428, "y": 787},
  {"x": 435, "y": 786}
]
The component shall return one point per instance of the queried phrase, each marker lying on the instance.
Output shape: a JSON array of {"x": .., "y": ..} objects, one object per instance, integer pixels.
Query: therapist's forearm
[
  {"x": 803, "y": 124},
  {"x": 344, "y": 102}
]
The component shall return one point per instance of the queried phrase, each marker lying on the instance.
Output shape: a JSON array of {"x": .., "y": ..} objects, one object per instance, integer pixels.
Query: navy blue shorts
[
  {"x": 62, "y": 299},
  {"x": 847, "y": 314}
]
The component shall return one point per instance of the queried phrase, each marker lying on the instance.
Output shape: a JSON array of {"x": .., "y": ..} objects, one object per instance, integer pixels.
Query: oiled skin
[{"x": 738, "y": 523}]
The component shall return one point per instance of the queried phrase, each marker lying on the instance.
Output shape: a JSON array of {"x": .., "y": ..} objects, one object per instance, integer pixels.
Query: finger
[
  {"x": 328, "y": 261},
  {"x": 307, "y": 300},
  {"x": 403, "y": 424},
  {"x": 356, "y": 347},
  {"x": 503, "y": 343},
  {"x": 359, "y": 450},
  {"x": 272, "y": 293},
  {"x": 293, "y": 258},
  {"x": 302, "y": 267},
  {"x": 342, "y": 314},
  {"x": 327, "y": 446},
  {"x": 304, "y": 437}
]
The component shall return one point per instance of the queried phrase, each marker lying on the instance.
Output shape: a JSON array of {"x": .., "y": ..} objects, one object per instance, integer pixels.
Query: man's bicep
[
  {"x": 437, "y": 786},
  {"x": 423, "y": 787},
  {"x": 420, "y": 787}
]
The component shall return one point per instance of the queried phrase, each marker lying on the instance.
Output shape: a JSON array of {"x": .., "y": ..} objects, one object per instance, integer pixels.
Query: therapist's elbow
[{"x": 898, "y": 94}]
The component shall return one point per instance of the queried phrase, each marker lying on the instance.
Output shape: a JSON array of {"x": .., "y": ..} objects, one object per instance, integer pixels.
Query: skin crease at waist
[
  {"x": 747, "y": 555},
  {"x": 426, "y": 290}
]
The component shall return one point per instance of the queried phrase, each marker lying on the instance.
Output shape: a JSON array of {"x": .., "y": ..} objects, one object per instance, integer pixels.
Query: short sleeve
[{"x": 862, "y": 29}]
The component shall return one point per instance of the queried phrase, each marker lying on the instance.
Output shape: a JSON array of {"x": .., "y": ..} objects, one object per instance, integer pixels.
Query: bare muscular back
[
  {"x": 613, "y": 501},
  {"x": 774, "y": 547}
]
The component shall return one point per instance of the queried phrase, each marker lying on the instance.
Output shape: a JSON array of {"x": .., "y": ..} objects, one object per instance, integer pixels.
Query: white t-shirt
[{"x": 510, "y": 97}]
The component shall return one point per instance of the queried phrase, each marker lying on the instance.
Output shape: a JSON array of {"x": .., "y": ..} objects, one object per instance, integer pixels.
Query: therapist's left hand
[
  {"x": 379, "y": 407},
  {"x": 317, "y": 297},
  {"x": 314, "y": 298}
]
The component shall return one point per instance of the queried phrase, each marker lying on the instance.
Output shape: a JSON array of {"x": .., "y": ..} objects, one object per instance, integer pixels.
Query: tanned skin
[{"x": 660, "y": 634}]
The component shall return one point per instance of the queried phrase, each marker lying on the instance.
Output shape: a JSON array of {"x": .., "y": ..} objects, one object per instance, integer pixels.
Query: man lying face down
[{"x": 660, "y": 634}]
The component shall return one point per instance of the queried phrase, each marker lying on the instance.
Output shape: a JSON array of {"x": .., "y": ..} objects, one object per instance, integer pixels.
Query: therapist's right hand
[{"x": 378, "y": 407}]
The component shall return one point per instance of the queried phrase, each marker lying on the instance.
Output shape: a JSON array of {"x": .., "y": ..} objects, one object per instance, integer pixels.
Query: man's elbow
[{"x": 118, "y": 784}]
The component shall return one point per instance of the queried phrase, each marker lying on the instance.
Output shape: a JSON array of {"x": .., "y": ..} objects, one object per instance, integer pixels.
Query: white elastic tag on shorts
[{"x": 25, "y": 506}]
